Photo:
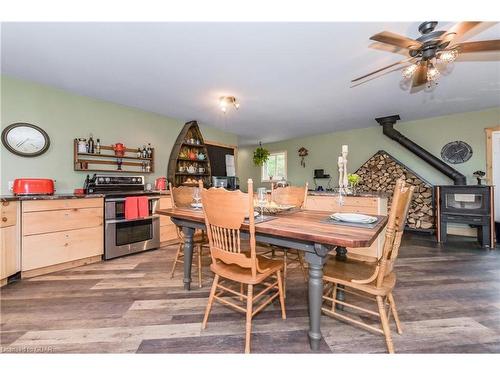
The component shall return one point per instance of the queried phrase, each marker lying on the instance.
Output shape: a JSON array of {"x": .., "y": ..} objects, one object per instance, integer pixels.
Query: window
[{"x": 275, "y": 167}]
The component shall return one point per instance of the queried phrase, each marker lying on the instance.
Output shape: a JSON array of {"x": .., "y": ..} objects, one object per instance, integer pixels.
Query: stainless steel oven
[{"x": 122, "y": 236}]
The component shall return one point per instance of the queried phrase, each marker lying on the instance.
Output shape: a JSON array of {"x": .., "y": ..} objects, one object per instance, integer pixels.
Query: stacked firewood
[{"x": 380, "y": 173}]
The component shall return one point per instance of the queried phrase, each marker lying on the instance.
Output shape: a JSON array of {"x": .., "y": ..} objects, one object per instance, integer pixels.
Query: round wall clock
[
  {"x": 456, "y": 152},
  {"x": 25, "y": 139}
]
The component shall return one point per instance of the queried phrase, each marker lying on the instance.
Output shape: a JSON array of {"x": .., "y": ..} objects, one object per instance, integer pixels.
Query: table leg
[
  {"x": 342, "y": 256},
  {"x": 316, "y": 261},
  {"x": 188, "y": 255}
]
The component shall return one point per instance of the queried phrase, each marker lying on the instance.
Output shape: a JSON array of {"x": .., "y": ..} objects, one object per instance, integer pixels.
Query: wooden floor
[{"x": 448, "y": 299}]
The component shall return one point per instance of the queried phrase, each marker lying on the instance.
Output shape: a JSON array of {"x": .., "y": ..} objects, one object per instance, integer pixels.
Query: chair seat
[
  {"x": 344, "y": 271},
  {"x": 244, "y": 275}
]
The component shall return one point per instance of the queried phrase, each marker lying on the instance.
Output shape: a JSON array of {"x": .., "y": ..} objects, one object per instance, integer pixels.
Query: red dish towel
[
  {"x": 143, "y": 205},
  {"x": 131, "y": 208}
]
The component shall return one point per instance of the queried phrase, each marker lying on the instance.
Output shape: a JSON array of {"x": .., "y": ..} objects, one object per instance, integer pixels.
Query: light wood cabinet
[
  {"x": 62, "y": 233},
  {"x": 362, "y": 205},
  {"x": 10, "y": 253},
  {"x": 168, "y": 230}
]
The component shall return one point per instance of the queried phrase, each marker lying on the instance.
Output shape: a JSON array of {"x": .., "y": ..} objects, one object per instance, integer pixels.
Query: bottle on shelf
[
  {"x": 144, "y": 152},
  {"x": 149, "y": 151},
  {"x": 98, "y": 146},
  {"x": 148, "y": 166},
  {"x": 139, "y": 153},
  {"x": 91, "y": 145}
]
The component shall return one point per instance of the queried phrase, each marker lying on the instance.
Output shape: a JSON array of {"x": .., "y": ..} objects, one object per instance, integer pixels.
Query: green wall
[
  {"x": 65, "y": 116},
  {"x": 431, "y": 133}
]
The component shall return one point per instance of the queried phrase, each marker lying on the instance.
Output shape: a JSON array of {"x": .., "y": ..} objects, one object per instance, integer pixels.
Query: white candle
[
  {"x": 344, "y": 148},
  {"x": 341, "y": 159}
]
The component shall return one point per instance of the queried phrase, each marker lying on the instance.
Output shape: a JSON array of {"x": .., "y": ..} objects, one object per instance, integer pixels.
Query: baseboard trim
[{"x": 61, "y": 266}]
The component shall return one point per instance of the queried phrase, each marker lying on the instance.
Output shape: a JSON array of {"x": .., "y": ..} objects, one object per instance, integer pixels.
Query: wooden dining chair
[
  {"x": 182, "y": 196},
  {"x": 235, "y": 261},
  {"x": 290, "y": 195},
  {"x": 374, "y": 281}
]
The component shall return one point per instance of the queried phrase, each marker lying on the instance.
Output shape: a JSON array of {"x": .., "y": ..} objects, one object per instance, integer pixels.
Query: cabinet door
[
  {"x": 9, "y": 259},
  {"x": 8, "y": 214}
]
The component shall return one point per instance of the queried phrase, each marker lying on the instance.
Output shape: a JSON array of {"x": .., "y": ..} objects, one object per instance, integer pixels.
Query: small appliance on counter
[
  {"x": 320, "y": 173},
  {"x": 161, "y": 183},
  {"x": 33, "y": 186},
  {"x": 227, "y": 182}
]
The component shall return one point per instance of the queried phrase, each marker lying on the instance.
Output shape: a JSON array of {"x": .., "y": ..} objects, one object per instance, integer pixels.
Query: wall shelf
[{"x": 85, "y": 161}]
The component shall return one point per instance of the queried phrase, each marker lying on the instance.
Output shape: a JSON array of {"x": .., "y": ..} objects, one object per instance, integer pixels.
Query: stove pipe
[{"x": 387, "y": 124}]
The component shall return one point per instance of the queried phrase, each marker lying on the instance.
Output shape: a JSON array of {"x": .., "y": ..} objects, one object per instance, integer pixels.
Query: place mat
[
  {"x": 261, "y": 219},
  {"x": 329, "y": 220}
]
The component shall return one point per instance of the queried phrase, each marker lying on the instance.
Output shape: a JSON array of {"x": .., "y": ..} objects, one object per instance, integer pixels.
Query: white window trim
[{"x": 262, "y": 179}]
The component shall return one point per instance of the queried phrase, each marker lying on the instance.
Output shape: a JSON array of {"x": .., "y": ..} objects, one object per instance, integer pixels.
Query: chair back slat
[
  {"x": 394, "y": 229},
  {"x": 225, "y": 212},
  {"x": 296, "y": 195}
]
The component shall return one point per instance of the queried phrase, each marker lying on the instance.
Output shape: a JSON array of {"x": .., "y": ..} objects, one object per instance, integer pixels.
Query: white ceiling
[{"x": 292, "y": 79}]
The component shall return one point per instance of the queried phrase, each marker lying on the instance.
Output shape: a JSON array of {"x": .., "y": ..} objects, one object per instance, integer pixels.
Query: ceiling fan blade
[
  {"x": 458, "y": 30},
  {"x": 480, "y": 46},
  {"x": 382, "y": 69},
  {"x": 420, "y": 75},
  {"x": 396, "y": 40}
]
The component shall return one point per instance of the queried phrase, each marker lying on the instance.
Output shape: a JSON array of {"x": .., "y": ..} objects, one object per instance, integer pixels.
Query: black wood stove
[
  {"x": 457, "y": 203},
  {"x": 469, "y": 204}
]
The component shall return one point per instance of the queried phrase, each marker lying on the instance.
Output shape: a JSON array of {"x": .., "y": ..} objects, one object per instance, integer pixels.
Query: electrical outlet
[{"x": 11, "y": 184}]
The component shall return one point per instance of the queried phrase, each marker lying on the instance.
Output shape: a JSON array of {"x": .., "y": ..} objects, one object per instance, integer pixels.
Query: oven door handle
[
  {"x": 153, "y": 217},
  {"x": 123, "y": 199}
]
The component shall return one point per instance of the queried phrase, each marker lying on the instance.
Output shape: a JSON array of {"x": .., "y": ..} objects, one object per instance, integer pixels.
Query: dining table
[{"x": 309, "y": 231}]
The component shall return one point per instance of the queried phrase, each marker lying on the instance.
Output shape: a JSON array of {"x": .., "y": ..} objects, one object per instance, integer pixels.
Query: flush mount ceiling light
[
  {"x": 228, "y": 101},
  {"x": 433, "y": 47}
]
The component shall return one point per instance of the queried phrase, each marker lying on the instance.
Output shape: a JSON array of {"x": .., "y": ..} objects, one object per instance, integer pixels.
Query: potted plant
[
  {"x": 353, "y": 179},
  {"x": 260, "y": 155}
]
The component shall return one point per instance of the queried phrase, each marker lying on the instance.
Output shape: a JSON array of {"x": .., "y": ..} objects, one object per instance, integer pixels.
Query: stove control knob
[
  {"x": 108, "y": 180},
  {"x": 100, "y": 179}
]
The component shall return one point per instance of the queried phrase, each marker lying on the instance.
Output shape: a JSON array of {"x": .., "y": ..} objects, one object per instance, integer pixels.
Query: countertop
[
  {"x": 369, "y": 194},
  {"x": 11, "y": 197}
]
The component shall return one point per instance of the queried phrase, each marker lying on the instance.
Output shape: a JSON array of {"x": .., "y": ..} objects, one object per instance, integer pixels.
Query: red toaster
[{"x": 33, "y": 186}]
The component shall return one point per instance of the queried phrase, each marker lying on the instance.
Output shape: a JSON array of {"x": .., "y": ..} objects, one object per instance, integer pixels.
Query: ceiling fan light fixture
[
  {"x": 448, "y": 56},
  {"x": 432, "y": 73},
  {"x": 409, "y": 71}
]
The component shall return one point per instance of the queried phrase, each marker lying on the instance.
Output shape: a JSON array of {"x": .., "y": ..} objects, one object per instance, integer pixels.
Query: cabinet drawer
[
  {"x": 62, "y": 204},
  {"x": 9, "y": 251},
  {"x": 8, "y": 214},
  {"x": 165, "y": 202},
  {"x": 48, "y": 249},
  {"x": 168, "y": 233},
  {"x": 61, "y": 220}
]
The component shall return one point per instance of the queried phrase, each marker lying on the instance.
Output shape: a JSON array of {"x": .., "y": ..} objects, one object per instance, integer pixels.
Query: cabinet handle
[
  {"x": 4, "y": 219},
  {"x": 5, "y": 204}
]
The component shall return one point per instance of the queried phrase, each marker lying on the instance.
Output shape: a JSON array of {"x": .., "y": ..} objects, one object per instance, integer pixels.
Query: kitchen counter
[
  {"x": 370, "y": 194},
  {"x": 11, "y": 197}
]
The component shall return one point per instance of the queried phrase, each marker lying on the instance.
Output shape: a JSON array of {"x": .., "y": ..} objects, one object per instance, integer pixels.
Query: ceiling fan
[{"x": 432, "y": 48}]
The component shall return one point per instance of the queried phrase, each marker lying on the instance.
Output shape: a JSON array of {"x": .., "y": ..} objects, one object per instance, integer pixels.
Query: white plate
[
  {"x": 255, "y": 214},
  {"x": 197, "y": 205},
  {"x": 353, "y": 218}
]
